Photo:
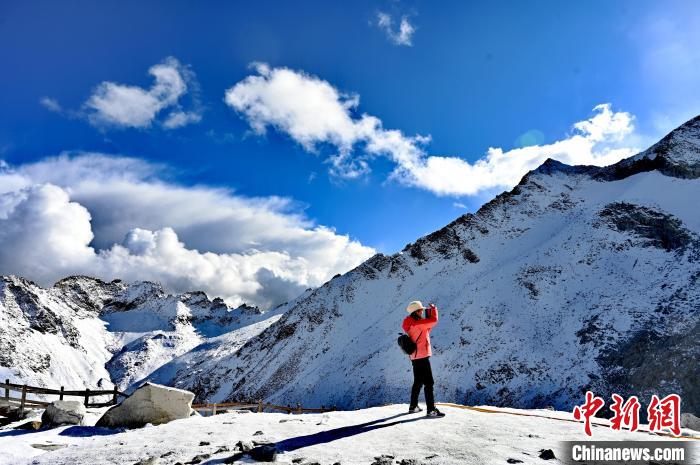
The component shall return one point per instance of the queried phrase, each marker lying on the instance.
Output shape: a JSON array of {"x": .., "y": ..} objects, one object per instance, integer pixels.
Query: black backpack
[{"x": 407, "y": 344}]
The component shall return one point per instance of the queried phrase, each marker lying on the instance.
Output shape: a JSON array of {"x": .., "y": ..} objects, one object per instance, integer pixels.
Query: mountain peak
[
  {"x": 676, "y": 155},
  {"x": 682, "y": 145}
]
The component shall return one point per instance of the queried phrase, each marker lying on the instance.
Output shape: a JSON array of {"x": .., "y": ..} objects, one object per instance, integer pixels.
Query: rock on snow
[{"x": 150, "y": 403}]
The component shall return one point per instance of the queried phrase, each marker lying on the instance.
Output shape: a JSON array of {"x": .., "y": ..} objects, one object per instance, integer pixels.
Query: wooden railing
[
  {"x": 258, "y": 406},
  {"x": 22, "y": 402}
]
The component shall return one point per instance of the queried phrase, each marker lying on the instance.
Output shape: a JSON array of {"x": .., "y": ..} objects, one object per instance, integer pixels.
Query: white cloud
[
  {"x": 178, "y": 119},
  {"x": 118, "y": 217},
  {"x": 314, "y": 113},
  {"x": 43, "y": 233},
  {"x": 401, "y": 36},
  {"x": 124, "y": 106},
  {"x": 594, "y": 142},
  {"x": 51, "y": 104}
]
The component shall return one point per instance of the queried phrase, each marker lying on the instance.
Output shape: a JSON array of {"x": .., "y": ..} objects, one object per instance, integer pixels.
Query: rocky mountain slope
[
  {"x": 86, "y": 332},
  {"x": 579, "y": 278}
]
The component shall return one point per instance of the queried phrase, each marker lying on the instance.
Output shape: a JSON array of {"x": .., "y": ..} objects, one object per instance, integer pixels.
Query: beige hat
[{"x": 415, "y": 305}]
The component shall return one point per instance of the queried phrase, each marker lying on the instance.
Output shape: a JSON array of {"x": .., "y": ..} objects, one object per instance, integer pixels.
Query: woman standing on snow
[{"x": 418, "y": 328}]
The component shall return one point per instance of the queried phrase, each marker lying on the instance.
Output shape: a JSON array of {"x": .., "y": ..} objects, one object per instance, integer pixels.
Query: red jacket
[{"x": 419, "y": 331}]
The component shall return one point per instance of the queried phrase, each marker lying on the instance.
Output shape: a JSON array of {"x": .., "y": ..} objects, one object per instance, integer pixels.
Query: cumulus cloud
[
  {"x": 401, "y": 36},
  {"x": 120, "y": 217},
  {"x": 315, "y": 114},
  {"x": 43, "y": 233},
  {"x": 593, "y": 142},
  {"x": 124, "y": 106}
]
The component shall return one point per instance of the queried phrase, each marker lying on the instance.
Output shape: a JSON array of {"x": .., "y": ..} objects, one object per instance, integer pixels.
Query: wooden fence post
[
  {"x": 213, "y": 410},
  {"x": 289, "y": 409},
  {"x": 87, "y": 397},
  {"x": 114, "y": 396},
  {"x": 24, "y": 398},
  {"x": 299, "y": 411},
  {"x": 60, "y": 396},
  {"x": 260, "y": 406},
  {"x": 7, "y": 390}
]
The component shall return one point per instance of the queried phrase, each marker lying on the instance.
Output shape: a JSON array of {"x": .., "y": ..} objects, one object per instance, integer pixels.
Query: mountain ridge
[
  {"x": 579, "y": 277},
  {"x": 639, "y": 226}
]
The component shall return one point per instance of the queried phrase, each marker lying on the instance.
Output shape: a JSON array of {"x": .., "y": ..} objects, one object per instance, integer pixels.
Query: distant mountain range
[
  {"x": 579, "y": 278},
  {"x": 84, "y": 331}
]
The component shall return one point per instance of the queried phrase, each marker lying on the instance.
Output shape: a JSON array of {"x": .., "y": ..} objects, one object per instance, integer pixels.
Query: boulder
[
  {"x": 244, "y": 446},
  {"x": 63, "y": 412},
  {"x": 265, "y": 453},
  {"x": 383, "y": 459},
  {"x": 690, "y": 421},
  {"x": 150, "y": 403}
]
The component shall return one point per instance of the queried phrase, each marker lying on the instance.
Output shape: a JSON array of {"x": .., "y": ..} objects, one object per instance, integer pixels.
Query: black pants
[{"x": 422, "y": 377}]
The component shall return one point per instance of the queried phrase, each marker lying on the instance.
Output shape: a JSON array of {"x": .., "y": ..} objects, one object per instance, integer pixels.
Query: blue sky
[{"x": 470, "y": 75}]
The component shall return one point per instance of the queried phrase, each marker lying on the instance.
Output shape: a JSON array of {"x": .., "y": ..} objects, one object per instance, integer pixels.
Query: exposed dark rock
[
  {"x": 148, "y": 461},
  {"x": 198, "y": 459},
  {"x": 383, "y": 460},
  {"x": 286, "y": 331},
  {"x": 244, "y": 446},
  {"x": 546, "y": 454},
  {"x": 660, "y": 229},
  {"x": 470, "y": 256},
  {"x": 655, "y": 361},
  {"x": 410, "y": 462},
  {"x": 264, "y": 453},
  {"x": 676, "y": 155},
  {"x": 49, "y": 447}
]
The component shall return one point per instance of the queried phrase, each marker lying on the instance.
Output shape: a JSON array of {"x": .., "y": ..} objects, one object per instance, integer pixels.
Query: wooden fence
[
  {"x": 8, "y": 402},
  {"x": 21, "y": 403},
  {"x": 258, "y": 406}
]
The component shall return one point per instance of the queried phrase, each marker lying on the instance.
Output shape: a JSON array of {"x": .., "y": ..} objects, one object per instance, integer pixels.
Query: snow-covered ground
[{"x": 349, "y": 437}]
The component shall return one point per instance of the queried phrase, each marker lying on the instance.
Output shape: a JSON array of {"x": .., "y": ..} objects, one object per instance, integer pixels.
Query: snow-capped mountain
[
  {"x": 86, "y": 332},
  {"x": 579, "y": 278}
]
